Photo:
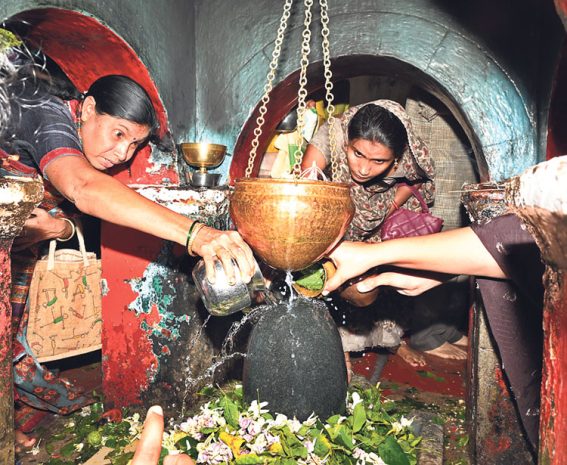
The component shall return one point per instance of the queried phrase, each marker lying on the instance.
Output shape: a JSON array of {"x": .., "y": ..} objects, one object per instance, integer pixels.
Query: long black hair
[
  {"x": 122, "y": 97},
  {"x": 375, "y": 123}
]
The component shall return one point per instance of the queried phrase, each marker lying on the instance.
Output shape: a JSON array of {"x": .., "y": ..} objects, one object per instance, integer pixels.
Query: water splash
[{"x": 289, "y": 282}]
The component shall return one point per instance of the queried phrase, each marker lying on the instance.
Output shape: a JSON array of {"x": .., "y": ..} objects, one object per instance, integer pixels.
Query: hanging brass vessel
[{"x": 291, "y": 224}]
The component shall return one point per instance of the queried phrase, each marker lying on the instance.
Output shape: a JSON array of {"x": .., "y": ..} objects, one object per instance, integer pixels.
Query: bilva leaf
[
  {"x": 230, "y": 412},
  {"x": 359, "y": 417},
  {"x": 391, "y": 452}
]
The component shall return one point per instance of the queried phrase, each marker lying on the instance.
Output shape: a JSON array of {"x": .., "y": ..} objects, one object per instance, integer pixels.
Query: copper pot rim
[{"x": 304, "y": 182}]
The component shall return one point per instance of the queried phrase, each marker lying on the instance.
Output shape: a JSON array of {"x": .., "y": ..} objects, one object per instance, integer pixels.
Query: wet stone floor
[{"x": 436, "y": 389}]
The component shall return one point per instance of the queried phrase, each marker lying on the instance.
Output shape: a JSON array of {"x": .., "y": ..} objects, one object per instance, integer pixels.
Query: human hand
[
  {"x": 352, "y": 259},
  {"x": 212, "y": 245},
  {"x": 41, "y": 226},
  {"x": 406, "y": 283},
  {"x": 149, "y": 448}
]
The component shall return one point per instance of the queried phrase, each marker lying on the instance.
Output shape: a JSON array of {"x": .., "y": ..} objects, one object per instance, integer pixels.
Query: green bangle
[{"x": 191, "y": 228}]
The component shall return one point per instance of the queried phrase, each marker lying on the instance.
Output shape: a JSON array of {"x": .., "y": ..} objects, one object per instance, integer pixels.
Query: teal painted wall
[
  {"x": 490, "y": 61},
  {"x": 483, "y": 56}
]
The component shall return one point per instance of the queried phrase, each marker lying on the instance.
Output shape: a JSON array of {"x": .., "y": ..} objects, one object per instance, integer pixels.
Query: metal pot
[
  {"x": 222, "y": 298},
  {"x": 291, "y": 224}
]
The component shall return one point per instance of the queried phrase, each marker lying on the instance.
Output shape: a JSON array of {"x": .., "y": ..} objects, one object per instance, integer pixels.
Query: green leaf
[
  {"x": 123, "y": 459},
  {"x": 322, "y": 446},
  {"x": 391, "y": 452},
  {"x": 68, "y": 449},
  {"x": 312, "y": 278},
  {"x": 344, "y": 438},
  {"x": 230, "y": 412},
  {"x": 249, "y": 459},
  {"x": 359, "y": 417},
  {"x": 285, "y": 461},
  {"x": 430, "y": 375}
]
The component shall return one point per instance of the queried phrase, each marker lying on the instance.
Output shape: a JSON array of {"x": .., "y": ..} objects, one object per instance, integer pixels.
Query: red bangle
[{"x": 396, "y": 206}]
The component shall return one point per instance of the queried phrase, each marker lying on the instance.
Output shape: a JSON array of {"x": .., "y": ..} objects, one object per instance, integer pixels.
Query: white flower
[
  {"x": 375, "y": 460},
  {"x": 311, "y": 420},
  {"x": 310, "y": 445},
  {"x": 398, "y": 426},
  {"x": 214, "y": 453},
  {"x": 259, "y": 445},
  {"x": 79, "y": 447},
  {"x": 256, "y": 408},
  {"x": 35, "y": 449},
  {"x": 294, "y": 425},
  {"x": 355, "y": 399},
  {"x": 168, "y": 442},
  {"x": 255, "y": 427},
  {"x": 312, "y": 459},
  {"x": 85, "y": 411},
  {"x": 281, "y": 420},
  {"x": 71, "y": 424},
  {"x": 364, "y": 458}
]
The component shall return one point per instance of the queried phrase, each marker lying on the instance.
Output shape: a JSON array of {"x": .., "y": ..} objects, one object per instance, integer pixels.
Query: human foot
[
  {"x": 448, "y": 351},
  {"x": 411, "y": 356},
  {"x": 23, "y": 441},
  {"x": 463, "y": 342}
]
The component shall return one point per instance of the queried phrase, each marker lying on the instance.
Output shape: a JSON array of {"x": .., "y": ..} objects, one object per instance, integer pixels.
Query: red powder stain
[
  {"x": 165, "y": 332},
  {"x": 439, "y": 375},
  {"x": 128, "y": 359},
  {"x": 503, "y": 444}
]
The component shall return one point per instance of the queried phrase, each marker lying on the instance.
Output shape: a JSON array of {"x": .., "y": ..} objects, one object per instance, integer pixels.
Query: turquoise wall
[
  {"x": 484, "y": 59},
  {"x": 489, "y": 61}
]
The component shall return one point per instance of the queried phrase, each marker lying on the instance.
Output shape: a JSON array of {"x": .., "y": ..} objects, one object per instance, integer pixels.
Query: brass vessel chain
[
  {"x": 329, "y": 87},
  {"x": 268, "y": 87},
  {"x": 302, "y": 93}
]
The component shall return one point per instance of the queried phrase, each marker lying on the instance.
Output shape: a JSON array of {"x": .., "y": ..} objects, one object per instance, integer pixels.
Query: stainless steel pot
[{"x": 221, "y": 298}]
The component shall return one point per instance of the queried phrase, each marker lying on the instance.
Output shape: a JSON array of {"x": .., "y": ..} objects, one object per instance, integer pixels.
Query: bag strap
[
  {"x": 82, "y": 248},
  {"x": 418, "y": 196}
]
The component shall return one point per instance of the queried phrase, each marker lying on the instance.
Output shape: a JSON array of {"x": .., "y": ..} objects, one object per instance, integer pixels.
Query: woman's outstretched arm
[{"x": 458, "y": 251}]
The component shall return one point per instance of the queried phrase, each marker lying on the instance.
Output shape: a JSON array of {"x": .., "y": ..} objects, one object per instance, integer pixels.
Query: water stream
[{"x": 227, "y": 353}]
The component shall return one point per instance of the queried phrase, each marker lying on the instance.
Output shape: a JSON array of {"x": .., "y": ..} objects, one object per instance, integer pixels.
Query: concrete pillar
[
  {"x": 18, "y": 197},
  {"x": 153, "y": 335},
  {"x": 539, "y": 197},
  {"x": 494, "y": 428}
]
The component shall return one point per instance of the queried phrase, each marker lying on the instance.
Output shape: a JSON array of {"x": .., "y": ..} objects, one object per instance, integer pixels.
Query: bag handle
[
  {"x": 418, "y": 196},
  {"x": 82, "y": 248}
]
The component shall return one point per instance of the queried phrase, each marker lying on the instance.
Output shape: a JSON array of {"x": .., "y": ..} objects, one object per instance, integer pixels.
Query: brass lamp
[{"x": 203, "y": 156}]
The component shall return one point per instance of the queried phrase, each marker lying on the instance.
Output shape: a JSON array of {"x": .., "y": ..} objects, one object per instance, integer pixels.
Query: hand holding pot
[{"x": 213, "y": 245}]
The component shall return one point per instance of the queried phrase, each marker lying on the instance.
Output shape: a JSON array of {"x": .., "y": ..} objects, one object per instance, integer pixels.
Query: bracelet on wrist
[
  {"x": 73, "y": 230},
  {"x": 191, "y": 240},
  {"x": 190, "y": 232}
]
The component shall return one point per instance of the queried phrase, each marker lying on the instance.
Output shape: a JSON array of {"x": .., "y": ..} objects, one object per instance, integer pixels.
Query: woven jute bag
[{"x": 65, "y": 303}]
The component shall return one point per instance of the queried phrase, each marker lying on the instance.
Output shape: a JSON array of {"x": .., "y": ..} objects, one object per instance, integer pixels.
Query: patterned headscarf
[{"x": 373, "y": 201}]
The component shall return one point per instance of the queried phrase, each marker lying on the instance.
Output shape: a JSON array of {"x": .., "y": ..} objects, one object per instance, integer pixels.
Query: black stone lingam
[{"x": 295, "y": 361}]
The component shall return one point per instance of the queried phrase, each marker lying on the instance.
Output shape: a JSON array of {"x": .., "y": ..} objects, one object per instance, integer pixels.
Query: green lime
[
  {"x": 94, "y": 438},
  {"x": 96, "y": 407}
]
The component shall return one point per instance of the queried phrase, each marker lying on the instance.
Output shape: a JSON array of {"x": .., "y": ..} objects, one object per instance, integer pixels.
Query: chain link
[
  {"x": 329, "y": 87},
  {"x": 268, "y": 86},
  {"x": 302, "y": 93}
]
